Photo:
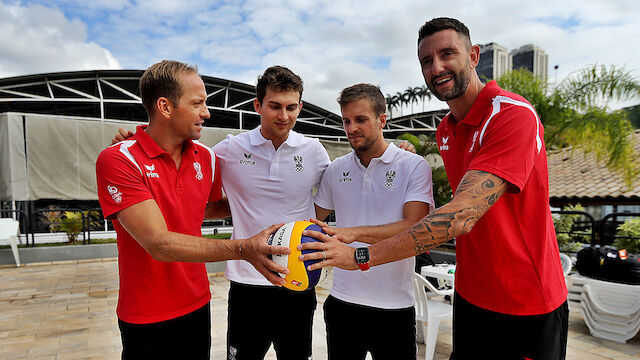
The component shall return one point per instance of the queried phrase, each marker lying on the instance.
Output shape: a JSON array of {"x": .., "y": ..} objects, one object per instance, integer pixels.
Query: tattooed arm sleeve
[{"x": 476, "y": 193}]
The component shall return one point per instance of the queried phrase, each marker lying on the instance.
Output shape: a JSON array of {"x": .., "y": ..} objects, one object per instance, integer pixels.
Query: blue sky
[{"x": 331, "y": 44}]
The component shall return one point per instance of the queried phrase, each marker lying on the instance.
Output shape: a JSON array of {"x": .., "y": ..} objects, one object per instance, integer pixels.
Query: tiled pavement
[{"x": 66, "y": 310}]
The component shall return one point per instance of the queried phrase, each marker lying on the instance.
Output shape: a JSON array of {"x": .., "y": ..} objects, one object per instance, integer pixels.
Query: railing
[{"x": 584, "y": 229}]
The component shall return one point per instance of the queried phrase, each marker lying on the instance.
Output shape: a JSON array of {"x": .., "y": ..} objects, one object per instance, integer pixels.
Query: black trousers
[
  {"x": 185, "y": 337},
  {"x": 482, "y": 334},
  {"x": 353, "y": 330},
  {"x": 259, "y": 316}
]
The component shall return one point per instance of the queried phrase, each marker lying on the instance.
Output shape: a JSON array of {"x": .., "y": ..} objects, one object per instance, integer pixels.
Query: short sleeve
[
  {"x": 420, "y": 184},
  {"x": 509, "y": 145},
  {"x": 216, "y": 186},
  {"x": 120, "y": 183},
  {"x": 323, "y": 160},
  {"x": 324, "y": 197},
  {"x": 222, "y": 149}
]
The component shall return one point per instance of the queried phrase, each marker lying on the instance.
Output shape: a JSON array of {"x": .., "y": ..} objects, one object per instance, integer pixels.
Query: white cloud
[
  {"x": 331, "y": 44},
  {"x": 36, "y": 39}
]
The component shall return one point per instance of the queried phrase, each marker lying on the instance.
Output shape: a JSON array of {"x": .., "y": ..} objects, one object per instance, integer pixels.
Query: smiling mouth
[{"x": 442, "y": 80}]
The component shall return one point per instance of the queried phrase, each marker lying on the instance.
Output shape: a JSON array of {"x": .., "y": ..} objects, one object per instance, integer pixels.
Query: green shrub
[
  {"x": 563, "y": 224},
  {"x": 629, "y": 233}
]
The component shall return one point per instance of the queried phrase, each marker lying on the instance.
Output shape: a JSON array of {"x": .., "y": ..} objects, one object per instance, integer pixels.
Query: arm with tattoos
[{"x": 476, "y": 193}]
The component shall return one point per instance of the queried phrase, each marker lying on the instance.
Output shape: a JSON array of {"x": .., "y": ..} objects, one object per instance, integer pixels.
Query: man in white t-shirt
[
  {"x": 377, "y": 191},
  {"x": 268, "y": 175}
]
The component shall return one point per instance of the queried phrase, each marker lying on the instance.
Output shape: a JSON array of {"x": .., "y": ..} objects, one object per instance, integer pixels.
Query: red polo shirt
[
  {"x": 509, "y": 262},
  {"x": 136, "y": 170}
]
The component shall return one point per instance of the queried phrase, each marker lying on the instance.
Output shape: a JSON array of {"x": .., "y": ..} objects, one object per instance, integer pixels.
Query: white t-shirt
[
  {"x": 267, "y": 187},
  {"x": 375, "y": 195}
]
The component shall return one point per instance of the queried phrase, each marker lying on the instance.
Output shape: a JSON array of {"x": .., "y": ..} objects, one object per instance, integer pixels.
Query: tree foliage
[
  {"x": 426, "y": 145},
  {"x": 577, "y": 113}
]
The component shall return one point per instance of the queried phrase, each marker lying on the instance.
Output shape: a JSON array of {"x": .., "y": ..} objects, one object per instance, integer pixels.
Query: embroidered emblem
[
  {"x": 115, "y": 194},
  {"x": 473, "y": 142},
  {"x": 150, "y": 171},
  {"x": 247, "y": 159},
  {"x": 345, "y": 177},
  {"x": 233, "y": 352},
  {"x": 444, "y": 145},
  {"x": 198, "y": 168},
  {"x": 391, "y": 174},
  {"x": 298, "y": 160}
]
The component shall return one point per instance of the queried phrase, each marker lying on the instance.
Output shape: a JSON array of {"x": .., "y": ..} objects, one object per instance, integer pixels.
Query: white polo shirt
[
  {"x": 267, "y": 187},
  {"x": 375, "y": 195}
]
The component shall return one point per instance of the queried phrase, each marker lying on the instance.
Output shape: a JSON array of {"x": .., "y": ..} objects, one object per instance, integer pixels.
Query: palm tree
[
  {"x": 411, "y": 96},
  {"x": 576, "y": 113},
  {"x": 423, "y": 93},
  {"x": 391, "y": 103},
  {"x": 402, "y": 100}
]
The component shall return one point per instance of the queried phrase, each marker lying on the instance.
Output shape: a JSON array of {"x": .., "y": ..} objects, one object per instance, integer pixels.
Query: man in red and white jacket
[{"x": 155, "y": 188}]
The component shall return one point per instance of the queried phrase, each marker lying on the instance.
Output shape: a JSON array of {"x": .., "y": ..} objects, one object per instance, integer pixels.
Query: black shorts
[
  {"x": 353, "y": 330},
  {"x": 484, "y": 334},
  {"x": 261, "y": 315},
  {"x": 185, "y": 337}
]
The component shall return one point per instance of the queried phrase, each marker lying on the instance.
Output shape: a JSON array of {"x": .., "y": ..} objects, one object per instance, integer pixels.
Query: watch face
[{"x": 362, "y": 255}]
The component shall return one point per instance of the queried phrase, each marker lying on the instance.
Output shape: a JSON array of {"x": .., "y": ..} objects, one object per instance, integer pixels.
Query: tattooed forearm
[{"x": 476, "y": 193}]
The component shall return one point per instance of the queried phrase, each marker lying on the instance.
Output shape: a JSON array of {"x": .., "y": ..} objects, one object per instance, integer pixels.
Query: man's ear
[
  {"x": 256, "y": 105},
  {"x": 383, "y": 120},
  {"x": 474, "y": 54},
  {"x": 164, "y": 107}
]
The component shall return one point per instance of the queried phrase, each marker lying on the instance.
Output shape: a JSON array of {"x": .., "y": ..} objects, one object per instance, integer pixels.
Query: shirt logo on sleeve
[
  {"x": 345, "y": 177},
  {"x": 198, "y": 168},
  {"x": 298, "y": 160},
  {"x": 444, "y": 145},
  {"x": 150, "y": 171},
  {"x": 391, "y": 174},
  {"x": 473, "y": 142},
  {"x": 116, "y": 195},
  {"x": 247, "y": 159}
]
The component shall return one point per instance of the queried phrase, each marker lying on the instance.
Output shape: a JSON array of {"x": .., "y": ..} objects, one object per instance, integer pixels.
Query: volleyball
[{"x": 290, "y": 235}]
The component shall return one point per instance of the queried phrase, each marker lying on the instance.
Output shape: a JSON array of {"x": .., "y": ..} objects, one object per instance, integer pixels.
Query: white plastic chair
[
  {"x": 10, "y": 231},
  {"x": 566, "y": 262},
  {"x": 430, "y": 313}
]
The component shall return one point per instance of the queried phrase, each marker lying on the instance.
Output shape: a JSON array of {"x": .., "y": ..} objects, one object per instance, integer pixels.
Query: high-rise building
[
  {"x": 494, "y": 61},
  {"x": 532, "y": 58}
]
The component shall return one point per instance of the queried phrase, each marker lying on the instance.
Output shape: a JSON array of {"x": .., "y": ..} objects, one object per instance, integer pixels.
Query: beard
[
  {"x": 363, "y": 146},
  {"x": 460, "y": 83}
]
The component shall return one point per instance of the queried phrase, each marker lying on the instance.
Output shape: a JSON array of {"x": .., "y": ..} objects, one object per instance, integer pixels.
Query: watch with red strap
[{"x": 362, "y": 258}]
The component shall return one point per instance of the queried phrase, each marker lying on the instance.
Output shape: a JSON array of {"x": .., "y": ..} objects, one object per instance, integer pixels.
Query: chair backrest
[
  {"x": 420, "y": 294},
  {"x": 566, "y": 262},
  {"x": 8, "y": 228}
]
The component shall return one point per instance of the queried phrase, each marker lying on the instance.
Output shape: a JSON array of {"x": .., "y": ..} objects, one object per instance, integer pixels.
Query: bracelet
[{"x": 240, "y": 249}]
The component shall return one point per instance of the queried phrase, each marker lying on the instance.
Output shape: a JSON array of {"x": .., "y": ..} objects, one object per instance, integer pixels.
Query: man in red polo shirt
[
  {"x": 155, "y": 188},
  {"x": 510, "y": 300}
]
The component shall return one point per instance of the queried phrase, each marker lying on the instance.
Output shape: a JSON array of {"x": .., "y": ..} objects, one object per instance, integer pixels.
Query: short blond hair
[{"x": 163, "y": 80}]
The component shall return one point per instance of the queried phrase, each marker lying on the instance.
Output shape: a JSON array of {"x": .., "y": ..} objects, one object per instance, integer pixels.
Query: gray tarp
[{"x": 61, "y": 154}]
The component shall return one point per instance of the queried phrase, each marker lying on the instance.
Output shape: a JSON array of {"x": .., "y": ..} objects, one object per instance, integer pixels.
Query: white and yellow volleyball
[{"x": 290, "y": 235}]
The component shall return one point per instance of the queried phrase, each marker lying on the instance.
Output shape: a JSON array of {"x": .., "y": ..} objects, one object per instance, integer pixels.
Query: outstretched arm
[
  {"x": 477, "y": 192},
  {"x": 412, "y": 211},
  {"x": 144, "y": 221}
]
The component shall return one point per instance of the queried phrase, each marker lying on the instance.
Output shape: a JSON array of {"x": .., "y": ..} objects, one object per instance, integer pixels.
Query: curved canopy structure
[{"x": 114, "y": 94}]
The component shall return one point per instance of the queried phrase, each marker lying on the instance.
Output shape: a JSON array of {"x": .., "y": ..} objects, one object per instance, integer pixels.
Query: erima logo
[
  {"x": 345, "y": 177},
  {"x": 444, "y": 145},
  {"x": 150, "y": 171},
  {"x": 473, "y": 142},
  {"x": 296, "y": 283},
  {"x": 248, "y": 160}
]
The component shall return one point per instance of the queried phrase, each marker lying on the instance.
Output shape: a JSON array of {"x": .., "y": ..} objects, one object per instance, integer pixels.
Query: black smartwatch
[{"x": 362, "y": 258}]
